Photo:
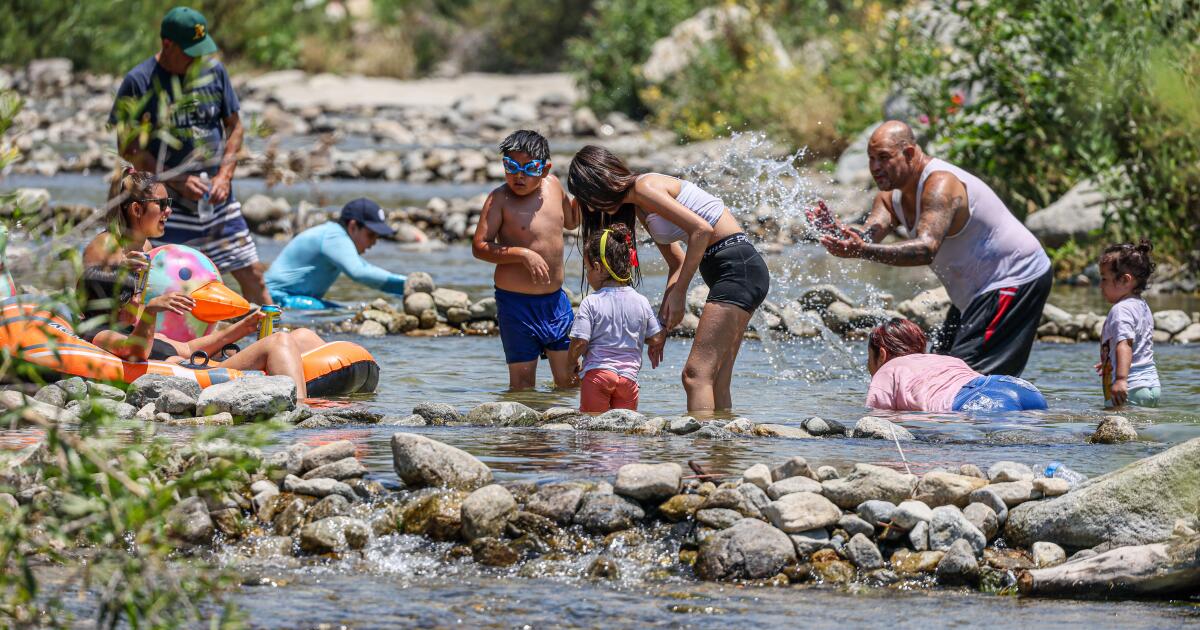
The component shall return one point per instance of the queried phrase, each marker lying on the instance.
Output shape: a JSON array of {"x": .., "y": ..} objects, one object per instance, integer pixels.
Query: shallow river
[{"x": 403, "y": 581}]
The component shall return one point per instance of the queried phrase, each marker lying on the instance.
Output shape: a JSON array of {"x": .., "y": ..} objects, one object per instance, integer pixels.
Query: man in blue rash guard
[{"x": 308, "y": 266}]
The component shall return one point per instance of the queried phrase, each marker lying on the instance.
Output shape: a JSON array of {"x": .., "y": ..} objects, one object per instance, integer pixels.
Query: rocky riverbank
[{"x": 1127, "y": 533}]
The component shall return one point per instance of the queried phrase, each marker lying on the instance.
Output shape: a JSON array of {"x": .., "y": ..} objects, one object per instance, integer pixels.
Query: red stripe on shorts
[{"x": 1006, "y": 300}]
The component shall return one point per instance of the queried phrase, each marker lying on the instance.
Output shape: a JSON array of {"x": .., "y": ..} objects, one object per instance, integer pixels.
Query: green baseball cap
[{"x": 188, "y": 28}]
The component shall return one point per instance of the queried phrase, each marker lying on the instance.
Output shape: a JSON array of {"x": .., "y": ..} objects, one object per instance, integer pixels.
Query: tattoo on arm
[{"x": 937, "y": 213}]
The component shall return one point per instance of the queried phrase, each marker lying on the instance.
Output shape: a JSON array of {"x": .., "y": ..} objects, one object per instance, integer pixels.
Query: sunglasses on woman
[
  {"x": 532, "y": 168},
  {"x": 163, "y": 202}
]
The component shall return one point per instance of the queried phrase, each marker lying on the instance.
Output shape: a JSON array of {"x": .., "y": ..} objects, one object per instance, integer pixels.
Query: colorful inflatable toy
[
  {"x": 40, "y": 335},
  {"x": 178, "y": 268}
]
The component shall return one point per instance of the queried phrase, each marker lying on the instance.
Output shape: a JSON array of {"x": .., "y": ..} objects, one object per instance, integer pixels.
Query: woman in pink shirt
[{"x": 904, "y": 378}]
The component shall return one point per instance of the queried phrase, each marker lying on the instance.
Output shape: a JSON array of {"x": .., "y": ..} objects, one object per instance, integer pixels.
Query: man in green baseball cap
[{"x": 198, "y": 164}]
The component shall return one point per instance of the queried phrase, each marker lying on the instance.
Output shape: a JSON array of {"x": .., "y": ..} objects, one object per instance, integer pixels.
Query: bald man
[{"x": 994, "y": 269}]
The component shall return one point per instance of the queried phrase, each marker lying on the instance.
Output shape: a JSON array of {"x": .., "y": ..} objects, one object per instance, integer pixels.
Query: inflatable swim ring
[
  {"x": 40, "y": 335},
  {"x": 178, "y": 268}
]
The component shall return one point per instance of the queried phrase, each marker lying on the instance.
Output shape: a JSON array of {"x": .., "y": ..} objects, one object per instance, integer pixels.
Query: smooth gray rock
[
  {"x": 557, "y": 501},
  {"x": 334, "y": 534},
  {"x": 1075, "y": 215},
  {"x": 868, "y": 482},
  {"x": 421, "y": 462},
  {"x": 419, "y": 282},
  {"x": 1001, "y": 472},
  {"x": 249, "y": 397},
  {"x": 1134, "y": 505},
  {"x": 733, "y": 499},
  {"x": 826, "y": 473},
  {"x": 807, "y": 543},
  {"x": 1171, "y": 321},
  {"x": 875, "y": 428},
  {"x": 1047, "y": 554},
  {"x": 958, "y": 565},
  {"x": 875, "y": 511},
  {"x": 189, "y": 521},
  {"x": 918, "y": 537},
  {"x": 718, "y": 518},
  {"x": 855, "y": 525},
  {"x": 438, "y": 414},
  {"x": 503, "y": 414},
  {"x": 318, "y": 487},
  {"x": 1014, "y": 493},
  {"x": 802, "y": 511},
  {"x": 943, "y": 488},
  {"x": 174, "y": 401},
  {"x": 52, "y": 395},
  {"x": 347, "y": 468},
  {"x": 682, "y": 425},
  {"x": 821, "y": 427},
  {"x": 604, "y": 513},
  {"x": 485, "y": 512},
  {"x": 326, "y": 454},
  {"x": 411, "y": 420},
  {"x": 755, "y": 497},
  {"x": 417, "y": 303},
  {"x": 758, "y": 475},
  {"x": 76, "y": 388},
  {"x": 909, "y": 513},
  {"x": 650, "y": 483},
  {"x": 794, "y": 467},
  {"x": 983, "y": 518},
  {"x": 614, "y": 420},
  {"x": 863, "y": 553},
  {"x": 992, "y": 500},
  {"x": 948, "y": 525},
  {"x": 750, "y": 549},
  {"x": 791, "y": 485},
  {"x": 927, "y": 308},
  {"x": 100, "y": 390}
]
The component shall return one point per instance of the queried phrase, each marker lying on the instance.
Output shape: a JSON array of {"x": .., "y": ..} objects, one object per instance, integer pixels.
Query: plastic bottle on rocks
[
  {"x": 205, "y": 209},
  {"x": 1056, "y": 470}
]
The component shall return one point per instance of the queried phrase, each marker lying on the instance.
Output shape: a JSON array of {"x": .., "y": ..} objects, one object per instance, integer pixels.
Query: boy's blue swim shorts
[{"x": 533, "y": 324}]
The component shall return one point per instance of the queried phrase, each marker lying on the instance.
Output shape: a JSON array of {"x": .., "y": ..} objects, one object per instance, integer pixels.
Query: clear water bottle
[
  {"x": 1056, "y": 470},
  {"x": 205, "y": 208}
]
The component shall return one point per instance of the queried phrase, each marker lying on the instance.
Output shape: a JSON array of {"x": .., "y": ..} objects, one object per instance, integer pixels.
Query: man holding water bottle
[{"x": 194, "y": 150}]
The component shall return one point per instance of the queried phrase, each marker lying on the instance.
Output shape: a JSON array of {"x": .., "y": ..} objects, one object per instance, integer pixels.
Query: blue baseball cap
[{"x": 368, "y": 214}]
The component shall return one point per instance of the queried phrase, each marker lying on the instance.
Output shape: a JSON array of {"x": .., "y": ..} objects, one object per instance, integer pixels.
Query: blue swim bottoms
[
  {"x": 533, "y": 324},
  {"x": 998, "y": 393},
  {"x": 292, "y": 302}
]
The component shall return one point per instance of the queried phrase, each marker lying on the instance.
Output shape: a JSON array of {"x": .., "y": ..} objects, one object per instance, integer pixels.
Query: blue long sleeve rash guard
[{"x": 312, "y": 261}]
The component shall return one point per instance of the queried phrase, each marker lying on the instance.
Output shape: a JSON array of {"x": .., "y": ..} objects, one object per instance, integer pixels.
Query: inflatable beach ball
[{"x": 178, "y": 268}]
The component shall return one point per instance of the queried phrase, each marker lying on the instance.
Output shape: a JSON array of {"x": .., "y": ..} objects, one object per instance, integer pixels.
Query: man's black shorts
[{"x": 997, "y": 330}]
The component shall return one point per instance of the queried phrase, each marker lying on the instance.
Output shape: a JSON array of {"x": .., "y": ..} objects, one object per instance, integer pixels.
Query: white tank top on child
[
  {"x": 692, "y": 197},
  {"x": 992, "y": 251}
]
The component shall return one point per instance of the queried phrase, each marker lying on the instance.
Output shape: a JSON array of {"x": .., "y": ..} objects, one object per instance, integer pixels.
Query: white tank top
[
  {"x": 992, "y": 251},
  {"x": 693, "y": 198}
]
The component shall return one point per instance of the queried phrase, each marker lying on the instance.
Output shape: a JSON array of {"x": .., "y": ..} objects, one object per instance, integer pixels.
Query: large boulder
[
  {"x": 750, "y": 550},
  {"x": 420, "y": 462},
  {"x": 1134, "y": 505},
  {"x": 250, "y": 397},
  {"x": 1076, "y": 215},
  {"x": 867, "y": 482}
]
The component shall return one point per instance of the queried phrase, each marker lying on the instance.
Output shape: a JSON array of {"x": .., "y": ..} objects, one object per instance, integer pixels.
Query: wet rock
[
  {"x": 880, "y": 429},
  {"x": 249, "y": 397},
  {"x": 758, "y": 475},
  {"x": 601, "y": 513},
  {"x": 648, "y": 482},
  {"x": 189, "y": 521},
  {"x": 905, "y": 562},
  {"x": 215, "y": 420},
  {"x": 1014, "y": 493},
  {"x": 802, "y": 511},
  {"x": 943, "y": 488},
  {"x": 909, "y": 513},
  {"x": 268, "y": 547},
  {"x": 492, "y": 552},
  {"x": 561, "y": 414},
  {"x": 875, "y": 511},
  {"x": 348, "y": 468},
  {"x": 852, "y": 524},
  {"x": 1051, "y": 486},
  {"x": 992, "y": 500},
  {"x": 1137, "y": 504},
  {"x": 317, "y": 487},
  {"x": 792, "y": 485},
  {"x": 822, "y": 296},
  {"x": 750, "y": 549},
  {"x": 1001, "y": 472},
  {"x": 557, "y": 426},
  {"x": 263, "y": 492},
  {"x": 1114, "y": 430},
  {"x": 1048, "y": 554},
  {"x": 438, "y": 414},
  {"x": 867, "y": 483},
  {"x": 289, "y": 516},
  {"x": 503, "y": 414},
  {"x": 827, "y": 567},
  {"x": 809, "y": 542},
  {"x": 653, "y": 426},
  {"x": 1007, "y": 559},
  {"x": 604, "y": 568},
  {"x": 334, "y": 534},
  {"x": 713, "y": 431},
  {"x": 614, "y": 420},
  {"x": 983, "y": 518},
  {"x": 948, "y": 525},
  {"x": 438, "y": 516},
  {"x": 918, "y": 536},
  {"x": 863, "y": 553},
  {"x": 718, "y": 518},
  {"x": 958, "y": 566},
  {"x": 421, "y": 462},
  {"x": 332, "y": 505},
  {"x": 326, "y": 454},
  {"x": 740, "y": 426},
  {"x": 411, "y": 420},
  {"x": 485, "y": 512},
  {"x": 682, "y": 425},
  {"x": 768, "y": 429},
  {"x": 557, "y": 501},
  {"x": 821, "y": 427}
]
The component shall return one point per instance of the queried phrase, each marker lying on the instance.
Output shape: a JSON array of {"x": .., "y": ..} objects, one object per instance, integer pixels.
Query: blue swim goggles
[{"x": 532, "y": 168}]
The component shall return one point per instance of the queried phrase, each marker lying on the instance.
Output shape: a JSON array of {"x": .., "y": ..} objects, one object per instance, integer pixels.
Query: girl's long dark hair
[{"x": 599, "y": 180}]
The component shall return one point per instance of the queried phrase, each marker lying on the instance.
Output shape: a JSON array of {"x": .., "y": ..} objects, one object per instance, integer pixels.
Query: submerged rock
[
  {"x": 421, "y": 462},
  {"x": 503, "y": 414},
  {"x": 438, "y": 414},
  {"x": 750, "y": 549},
  {"x": 602, "y": 513},
  {"x": 333, "y": 534}
]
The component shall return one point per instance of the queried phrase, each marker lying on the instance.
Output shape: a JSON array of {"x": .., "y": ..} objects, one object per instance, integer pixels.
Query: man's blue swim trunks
[{"x": 533, "y": 324}]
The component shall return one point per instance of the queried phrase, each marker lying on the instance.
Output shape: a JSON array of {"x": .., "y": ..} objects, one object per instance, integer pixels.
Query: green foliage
[
  {"x": 621, "y": 33},
  {"x": 1056, "y": 96}
]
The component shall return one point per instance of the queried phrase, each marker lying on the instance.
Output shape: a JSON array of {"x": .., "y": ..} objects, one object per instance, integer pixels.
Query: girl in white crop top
[{"x": 674, "y": 211}]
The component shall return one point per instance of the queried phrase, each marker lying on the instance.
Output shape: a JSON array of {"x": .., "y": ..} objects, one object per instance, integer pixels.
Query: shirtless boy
[{"x": 520, "y": 230}]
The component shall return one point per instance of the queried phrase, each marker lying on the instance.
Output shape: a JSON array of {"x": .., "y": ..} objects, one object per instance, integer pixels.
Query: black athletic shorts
[
  {"x": 159, "y": 349},
  {"x": 735, "y": 273},
  {"x": 997, "y": 330}
]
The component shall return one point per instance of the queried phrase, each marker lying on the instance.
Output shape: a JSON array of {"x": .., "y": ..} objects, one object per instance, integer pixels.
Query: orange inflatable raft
[{"x": 41, "y": 336}]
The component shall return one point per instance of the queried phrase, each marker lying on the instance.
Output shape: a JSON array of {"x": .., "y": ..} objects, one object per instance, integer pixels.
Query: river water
[{"x": 404, "y": 581}]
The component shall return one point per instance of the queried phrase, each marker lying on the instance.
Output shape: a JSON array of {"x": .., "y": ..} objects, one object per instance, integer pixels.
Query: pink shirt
[{"x": 919, "y": 382}]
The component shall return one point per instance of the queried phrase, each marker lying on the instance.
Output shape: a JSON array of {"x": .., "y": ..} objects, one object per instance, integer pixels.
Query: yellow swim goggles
[{"x": 604, "y": 260}]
